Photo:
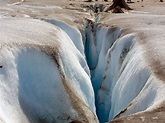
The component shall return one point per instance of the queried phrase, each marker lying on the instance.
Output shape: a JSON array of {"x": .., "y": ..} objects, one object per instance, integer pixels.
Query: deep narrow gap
[
  {"x": 106, "y": 49},
  {"x": 99, "y": 39}
]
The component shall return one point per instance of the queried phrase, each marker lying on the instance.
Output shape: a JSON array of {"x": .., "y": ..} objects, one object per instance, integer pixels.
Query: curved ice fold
[
  {"x": 98, "y": 40},
  {"x": 114, "y": 59},
  {"x": 122, "y": 79},
  {"x": 39, "y": 81},
  {"x": 71, "y": 31},
  {"x": 106, "y": 37}
]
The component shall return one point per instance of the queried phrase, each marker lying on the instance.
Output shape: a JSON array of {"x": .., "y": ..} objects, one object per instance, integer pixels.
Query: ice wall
[
  {"x": 71, "y": 31},
  {"x": 38, "y": 80},
  {"x": 122, "y": 79}
]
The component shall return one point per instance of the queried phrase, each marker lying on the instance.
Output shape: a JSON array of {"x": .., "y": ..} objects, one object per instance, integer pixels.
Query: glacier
[{"x": 67, "y": 67}]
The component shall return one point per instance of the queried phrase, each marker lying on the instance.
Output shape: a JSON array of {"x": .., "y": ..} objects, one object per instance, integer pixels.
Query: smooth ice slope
[
  {"x": 39, "y": 82},
  {"x": 71, "y": 31}
]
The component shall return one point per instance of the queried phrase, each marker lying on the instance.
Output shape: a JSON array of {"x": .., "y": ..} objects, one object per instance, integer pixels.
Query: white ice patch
[
  {"x": 9, "y": 105},
  {"x": 31, "y": 85},
  {"x": 71, "y": 31}
]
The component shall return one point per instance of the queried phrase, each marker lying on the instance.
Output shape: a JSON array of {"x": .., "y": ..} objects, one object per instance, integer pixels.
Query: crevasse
[{"x": 122, "y": 81}]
